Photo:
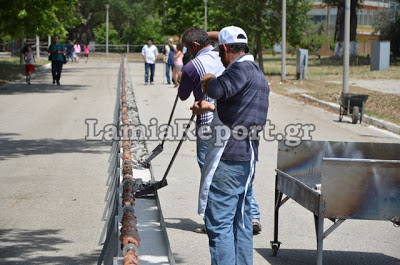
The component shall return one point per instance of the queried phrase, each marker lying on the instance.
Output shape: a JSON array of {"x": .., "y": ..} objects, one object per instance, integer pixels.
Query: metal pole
[
  {"x": 327, "y": 29},
  {"x": 346, "y": 47},
  {"x": 37, "y": 46},
  {"x": 283, "y": 40},
  {"x": 107, "y": 6},
  {"x": 48, "y": 41},
  {"x": 205, "y": 15}
]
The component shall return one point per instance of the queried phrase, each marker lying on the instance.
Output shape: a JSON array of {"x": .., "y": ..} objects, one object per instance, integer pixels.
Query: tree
[
  {"x": 388, "y": 26},
  {"x": 93, "y": 14},
  {"x": 339, "y": 28},
  {"x": 22, "y": 18},
  {"x": 261, "y": 19},
  {"x": 101, "y": 34},
  {"x": 141, "y": 23},
  {"x": 180, "y": 15}
]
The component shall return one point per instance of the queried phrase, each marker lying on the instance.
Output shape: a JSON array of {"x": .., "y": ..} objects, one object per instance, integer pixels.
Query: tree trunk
[
  {"x": 259, "y": 51},
  {"x": 255, "y": 49},
  {"x": 339, "y": 28},
  {"x": 21, "y": 54}
]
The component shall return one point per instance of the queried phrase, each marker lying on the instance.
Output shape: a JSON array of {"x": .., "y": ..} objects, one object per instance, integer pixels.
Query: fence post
[{"x": 127, "y": 48}]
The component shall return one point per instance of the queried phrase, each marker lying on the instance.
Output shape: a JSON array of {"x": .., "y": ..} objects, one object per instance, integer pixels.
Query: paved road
[
  {"x": 355, "y": 242},
  {"x": 383, "y": 86},
  {"x": 52, "y": 181}
]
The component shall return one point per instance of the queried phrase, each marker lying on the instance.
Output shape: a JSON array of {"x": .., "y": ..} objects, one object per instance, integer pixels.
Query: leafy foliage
[
  {"x": 22, "y": 18},
  {"x": 314, "y": 37},
  {"x": 388, "y": 25},
  {"x": 101, "y": 33}
]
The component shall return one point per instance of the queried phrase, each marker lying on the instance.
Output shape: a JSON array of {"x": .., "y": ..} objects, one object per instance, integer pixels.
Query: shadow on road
[
  {"x": 21, "y": 247},
  {"x": 35, "y": 87},
  {"x": 305, "y": 256},
  {"x": 14, "y": 148},
  {"x": 184, "y": 224}
]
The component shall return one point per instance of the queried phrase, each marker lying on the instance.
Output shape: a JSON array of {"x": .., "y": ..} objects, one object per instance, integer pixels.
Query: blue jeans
[
  {"x": 168, "y": 67},
  {"x": 201, "y": 154},
  {"x": 152, "y": 67},
  {"x": 230, "y": 242},
  {"x": 69, "y": 55},
  {"x": 201, "y": 151}
]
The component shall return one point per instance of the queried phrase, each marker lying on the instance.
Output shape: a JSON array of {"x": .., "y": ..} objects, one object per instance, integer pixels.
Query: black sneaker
[
  {"x": 58, "y": 83},
  {"x": 256, "y": 225},
  {"x": 201, "y": 230},
  {"x": 54, "y": 82}
]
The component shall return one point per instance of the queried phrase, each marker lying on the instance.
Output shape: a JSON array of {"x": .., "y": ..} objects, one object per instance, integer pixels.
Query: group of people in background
[
  {"x": 174, "y": 58},
  {"x": 58, "y": 55},
  {"x": 74, "y": 51}
]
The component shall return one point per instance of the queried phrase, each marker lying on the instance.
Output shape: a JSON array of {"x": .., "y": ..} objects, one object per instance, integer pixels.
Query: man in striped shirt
[{"x": 205, "y": 61}]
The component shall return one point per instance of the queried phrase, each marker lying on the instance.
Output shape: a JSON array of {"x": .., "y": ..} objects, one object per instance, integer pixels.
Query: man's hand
[
  {"x": 205, "y": 80},
  {"x": 201, "y": 107},
  {"x": 213, "y": 35}
]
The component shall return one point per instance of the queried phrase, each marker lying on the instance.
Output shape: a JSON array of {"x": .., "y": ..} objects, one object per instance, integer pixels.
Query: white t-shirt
[{"x": 150, "y": 53}]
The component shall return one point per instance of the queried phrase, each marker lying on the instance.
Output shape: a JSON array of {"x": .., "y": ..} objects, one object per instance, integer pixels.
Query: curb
[
  {"x": 367, "y": 119},
  {"x": 40, "y": 69}
]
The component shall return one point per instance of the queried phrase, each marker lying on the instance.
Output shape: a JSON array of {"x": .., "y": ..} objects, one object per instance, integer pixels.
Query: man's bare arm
[{"x": 213, "y": 35}]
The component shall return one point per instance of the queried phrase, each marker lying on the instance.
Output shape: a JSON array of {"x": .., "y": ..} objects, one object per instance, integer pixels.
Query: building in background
[{"x": 366, "y": 13}]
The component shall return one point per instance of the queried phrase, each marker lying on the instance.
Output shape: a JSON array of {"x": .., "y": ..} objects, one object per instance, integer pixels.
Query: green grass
[{"x": 10, "y": 69}]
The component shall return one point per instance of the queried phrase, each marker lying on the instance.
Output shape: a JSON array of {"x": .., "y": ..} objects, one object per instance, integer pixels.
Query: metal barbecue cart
[
  {"x": 338, "y": 181},
  {"x": 352, "y": 104}
]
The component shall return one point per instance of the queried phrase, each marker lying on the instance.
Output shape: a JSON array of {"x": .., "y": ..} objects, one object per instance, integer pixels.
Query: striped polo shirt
[
  {"x": 206, "y": 61},
  {"x": 242, "y": 100}
]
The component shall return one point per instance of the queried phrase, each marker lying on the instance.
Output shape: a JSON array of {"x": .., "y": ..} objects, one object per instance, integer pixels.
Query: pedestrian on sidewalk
[
  {"x": 56, "y": 50},
  {"x": 77, "y": 51},
  {"x": 29, "y": 63},
  {"x": 241, "y": 93},
  {"x": 178, "y": 62},
  {"x": 86, "y": 51},
  {"x": 168, "y": 59},
  {"x": 149, "y": 54},
  {"x": 70, "y": 49}
]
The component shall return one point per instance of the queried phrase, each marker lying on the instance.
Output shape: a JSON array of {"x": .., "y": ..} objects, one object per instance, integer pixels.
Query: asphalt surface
[
  {"x": 355, "y": 242},
  {"x": 52, "y": 181}
]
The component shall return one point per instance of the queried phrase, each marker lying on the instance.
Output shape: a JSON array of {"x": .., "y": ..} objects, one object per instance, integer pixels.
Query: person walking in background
[
  {"x": 168, "y": 59},
  {"x": 86, "y": 51},
  {"x": 178, "y": 62},
  {"x": 29, "y": 64},
  {"x": 56, "y": 51},
  {"x": 149, "y": 54},
  {"x": 69, "y": 47},
  {"x": 77, "y": 50}
]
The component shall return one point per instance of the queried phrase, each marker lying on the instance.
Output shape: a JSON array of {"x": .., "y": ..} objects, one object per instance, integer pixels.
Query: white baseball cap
[{"x": 232, "y": 34}]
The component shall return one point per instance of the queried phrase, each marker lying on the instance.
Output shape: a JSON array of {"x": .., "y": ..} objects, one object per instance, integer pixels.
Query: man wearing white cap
[{"x": 241, "y": 94}]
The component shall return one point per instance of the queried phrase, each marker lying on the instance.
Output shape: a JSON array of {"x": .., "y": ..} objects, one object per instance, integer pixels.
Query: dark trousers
[
  {"x": 56, "y": 68},
  {"x": 152, "y": 67}
]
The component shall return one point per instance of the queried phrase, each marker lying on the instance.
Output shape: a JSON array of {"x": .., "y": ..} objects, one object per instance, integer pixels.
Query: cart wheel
[
  {"x": 275, "y": 247},
  {"x": 356, "y": 114}
]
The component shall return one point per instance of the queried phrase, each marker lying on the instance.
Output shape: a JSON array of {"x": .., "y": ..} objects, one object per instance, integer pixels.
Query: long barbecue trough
[{"x": 338, "y": 181}]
